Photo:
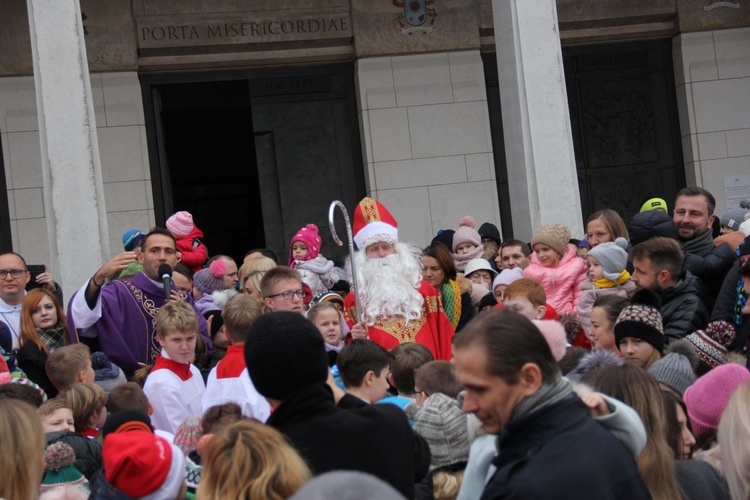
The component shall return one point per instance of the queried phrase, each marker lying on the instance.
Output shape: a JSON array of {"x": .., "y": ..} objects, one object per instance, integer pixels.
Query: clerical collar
[{"x": 156, "y": 283}]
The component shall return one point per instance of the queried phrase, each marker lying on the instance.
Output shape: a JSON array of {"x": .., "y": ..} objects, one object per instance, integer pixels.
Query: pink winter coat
[{"x": 561, "y": 283}]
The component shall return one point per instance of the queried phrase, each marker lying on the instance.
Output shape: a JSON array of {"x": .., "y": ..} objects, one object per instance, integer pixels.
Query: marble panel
[
  {"x": 449, "y": 129},
  {"x": 480, "y": 167},
  {"x": 712, "y": 145},
  {"x": 365, "y": 136},
  {"x": 18, "y": 104},
  {"x": 738, "y": 142},
  {"x": 33, "y": 240},
  {"x": 713, "y": 176},
  {"x": 422, "y": 79},
  {"x": 122, "y": 151},
  {"x": 411, "y": 208},
  {"x": 122, "y": 99},
  {"x": 29, "y": 203},
  {"x": 467, "y": 76},
  {"x": 25, "y": 158},
  {"x": 733, "y": 52},
  {"x": 374, "y": 77},
  {"x": 690, "y": 148},
  {"x": 5, "y": 152},
  {"x": 126, "y": 196},
  {"x": 422, "y": 172},
  {"x": 686, "y": 109},
  {"x": 722, "y": 105},
  {"x": 694, "y": 58},
  {"x": 11, "y": 203},
  {"x": 389, "y": 134},
  {"x": 450, "y": 202}
]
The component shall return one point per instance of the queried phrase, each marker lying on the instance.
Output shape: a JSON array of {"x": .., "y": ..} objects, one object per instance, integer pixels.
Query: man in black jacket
[
  {"x": 658, "y": 266},
  {"x": 549, "y": 447},
  {"x": 288, "y": 365}
]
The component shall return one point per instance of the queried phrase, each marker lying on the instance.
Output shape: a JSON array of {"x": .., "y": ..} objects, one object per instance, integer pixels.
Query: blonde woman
[
  {"x": 22, "y": 457},
  {"x": 734, "y": 434},
  {"x": 251, "y": 460},
  {"x": 251, "y": 273}
]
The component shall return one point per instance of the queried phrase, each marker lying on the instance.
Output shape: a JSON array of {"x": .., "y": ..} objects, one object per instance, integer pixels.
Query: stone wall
[
  {"x": 124, "y": 158},
  {"x": 426, "y": 140},
  {"x": 712, "y": 75}
]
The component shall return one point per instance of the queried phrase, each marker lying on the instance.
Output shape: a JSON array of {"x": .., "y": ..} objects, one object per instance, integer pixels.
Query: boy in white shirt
[{"x": 174, "y": 386}]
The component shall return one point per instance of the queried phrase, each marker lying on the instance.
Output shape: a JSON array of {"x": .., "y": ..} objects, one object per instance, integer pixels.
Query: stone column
[
  {"x": 72, "y": 178},
  {"x": 536, "y": 124}
]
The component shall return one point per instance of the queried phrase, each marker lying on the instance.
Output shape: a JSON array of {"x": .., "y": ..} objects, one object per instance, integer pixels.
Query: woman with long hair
[
  {"x": 251, "y": 460},
  {"x": 251, "y": 272},
  {"x": 439, "y": 270},
  {"x": 43, "y": 329},
  {"x": 639, "y": 390},
  {"x": 22, "y": 458},
  {"x": 604, "y": 226},
  {"x": 734, "y": 434}
]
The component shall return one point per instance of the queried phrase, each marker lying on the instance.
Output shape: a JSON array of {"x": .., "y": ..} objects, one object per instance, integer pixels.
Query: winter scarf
[
  {"x": 700, "y": 245},
  {"x": 548, "y": 394},
  {"x": 463, "y": 259},
  {"x": 53, "y": 337},
  {"x": 318, "y": 265},
  {"x": 451, "y": 296},
  {"x": 605, "y": 283}
]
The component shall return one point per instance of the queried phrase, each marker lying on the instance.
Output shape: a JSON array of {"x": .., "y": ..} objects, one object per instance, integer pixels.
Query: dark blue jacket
[
  {"x": 561, "y": 452},
  {"x": 102, "y": 490}
]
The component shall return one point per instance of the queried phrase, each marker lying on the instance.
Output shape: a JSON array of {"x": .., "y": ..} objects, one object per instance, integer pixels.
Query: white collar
[{"x": 4, "y": 307}]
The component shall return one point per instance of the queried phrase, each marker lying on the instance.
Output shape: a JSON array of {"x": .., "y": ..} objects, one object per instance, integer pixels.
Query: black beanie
[
  {"x": 284, "y": 352},
  {"x": 489, "y": 230},
  {"x": 117, "y": 420}
]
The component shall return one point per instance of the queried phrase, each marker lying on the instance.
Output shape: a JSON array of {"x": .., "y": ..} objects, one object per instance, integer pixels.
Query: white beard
[{"x": 389, "y": 286}]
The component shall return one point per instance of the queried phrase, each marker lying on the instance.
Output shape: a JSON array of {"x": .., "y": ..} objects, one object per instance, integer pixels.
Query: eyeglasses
[
  {"x": 288, "y": 294},
  {"x": 14, "y": 273},
  {"x": 598, "y": 235}
]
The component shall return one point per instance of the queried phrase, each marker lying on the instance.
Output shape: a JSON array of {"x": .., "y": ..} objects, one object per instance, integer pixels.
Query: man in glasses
[
  {"x": 281, "y": 289},
  {"x": 14, "y": 276}
]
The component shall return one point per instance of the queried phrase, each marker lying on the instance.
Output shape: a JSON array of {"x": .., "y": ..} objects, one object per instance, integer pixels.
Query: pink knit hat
[
  {"x": 554, "y": 334},
  {"x": 466, "y": 233},
  {"x": 709, "y": 395},
  {"x": 181, "y": 224},
  {"x": 310, "y": 237}
]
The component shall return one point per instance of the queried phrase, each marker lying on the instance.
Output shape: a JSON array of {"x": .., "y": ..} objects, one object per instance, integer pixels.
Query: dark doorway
[
  {"x": 208, "y": 131},
  {"x": 626, "y": 136},
  {"x": 255, "y": 155},
  {"x": 623, "y": 112}
]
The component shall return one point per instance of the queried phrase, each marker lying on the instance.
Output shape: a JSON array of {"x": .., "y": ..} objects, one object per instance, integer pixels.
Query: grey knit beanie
[
  {"x": 445, "y": 428},
  {"x": 675, "y": 371},
  {"x": 733, "y": 218},
  {"x": 613, "y": 257}
]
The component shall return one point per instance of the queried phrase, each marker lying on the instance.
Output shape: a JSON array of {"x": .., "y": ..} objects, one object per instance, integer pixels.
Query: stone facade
[{"x": 422, "y": 103}]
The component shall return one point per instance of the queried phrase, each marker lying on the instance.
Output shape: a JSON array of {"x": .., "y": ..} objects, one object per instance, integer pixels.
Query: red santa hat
[{"x": 373, "y": 223}]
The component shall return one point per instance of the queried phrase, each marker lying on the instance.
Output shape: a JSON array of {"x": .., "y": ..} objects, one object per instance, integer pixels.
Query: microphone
[{"x": 165, "y": 272}]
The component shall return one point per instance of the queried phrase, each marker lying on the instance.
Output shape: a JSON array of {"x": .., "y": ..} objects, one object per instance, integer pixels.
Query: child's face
[
  {"x": 481, "y": 277},
  {"x": 299, "y": 250},
  {"x": 546, "y": 255},
  {"x": 328, "y": 323},
  {"x": 595, "y": 268},
  {"x": 380, "y": 385},
  {"x": 582, "y": 252},
  {"x": 499, "y": 291},
  {"x": 59, "y": 420},
  {"x": 465, "y": 248},
  {"x": 101, "y": 418},
  {"x": 523, "y": 305},
  {"x": 179, "y": 345},
  {"x": 220, "y": 339},
  {"x": 636, "y": 351}
]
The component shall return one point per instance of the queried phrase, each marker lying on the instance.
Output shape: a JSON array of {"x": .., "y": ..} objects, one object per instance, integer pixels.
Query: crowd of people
[{"x": 614, "y": 366}]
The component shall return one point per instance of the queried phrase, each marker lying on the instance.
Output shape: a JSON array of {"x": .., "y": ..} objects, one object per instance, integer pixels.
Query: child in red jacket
[{"x": 189, "y": 240}]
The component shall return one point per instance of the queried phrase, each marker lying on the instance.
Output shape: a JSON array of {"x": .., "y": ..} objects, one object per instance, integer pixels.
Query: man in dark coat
[
  {"x": 288, "y": 365},
  {"x": 548, "y": 444},
  {"x": 658, "y": 266}
]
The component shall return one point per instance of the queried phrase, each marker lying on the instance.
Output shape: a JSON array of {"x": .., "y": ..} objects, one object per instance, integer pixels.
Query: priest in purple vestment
[{"x": 121, "y": 313}]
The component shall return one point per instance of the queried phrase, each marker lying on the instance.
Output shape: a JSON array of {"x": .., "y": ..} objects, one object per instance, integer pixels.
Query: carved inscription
[{"x": 154, "y": 33}]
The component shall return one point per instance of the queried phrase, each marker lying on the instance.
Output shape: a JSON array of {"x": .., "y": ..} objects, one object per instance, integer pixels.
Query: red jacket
[{"x": 194, "y": 252}]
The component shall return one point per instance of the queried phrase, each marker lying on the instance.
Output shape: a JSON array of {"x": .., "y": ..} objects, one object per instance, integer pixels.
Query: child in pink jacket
[
  {"x": 555, "y": 266},
  {"x": 189, "y": 240}
]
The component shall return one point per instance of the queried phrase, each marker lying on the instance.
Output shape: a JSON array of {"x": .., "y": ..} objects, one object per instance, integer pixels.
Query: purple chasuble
[{"x": 127, "y": 326}]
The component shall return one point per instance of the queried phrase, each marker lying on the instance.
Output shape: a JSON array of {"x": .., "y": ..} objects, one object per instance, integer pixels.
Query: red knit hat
[
  {"x": 373, "y": 223},
  {"x": 143, "y": 465},
  {"x": 310, "y": 237}
]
